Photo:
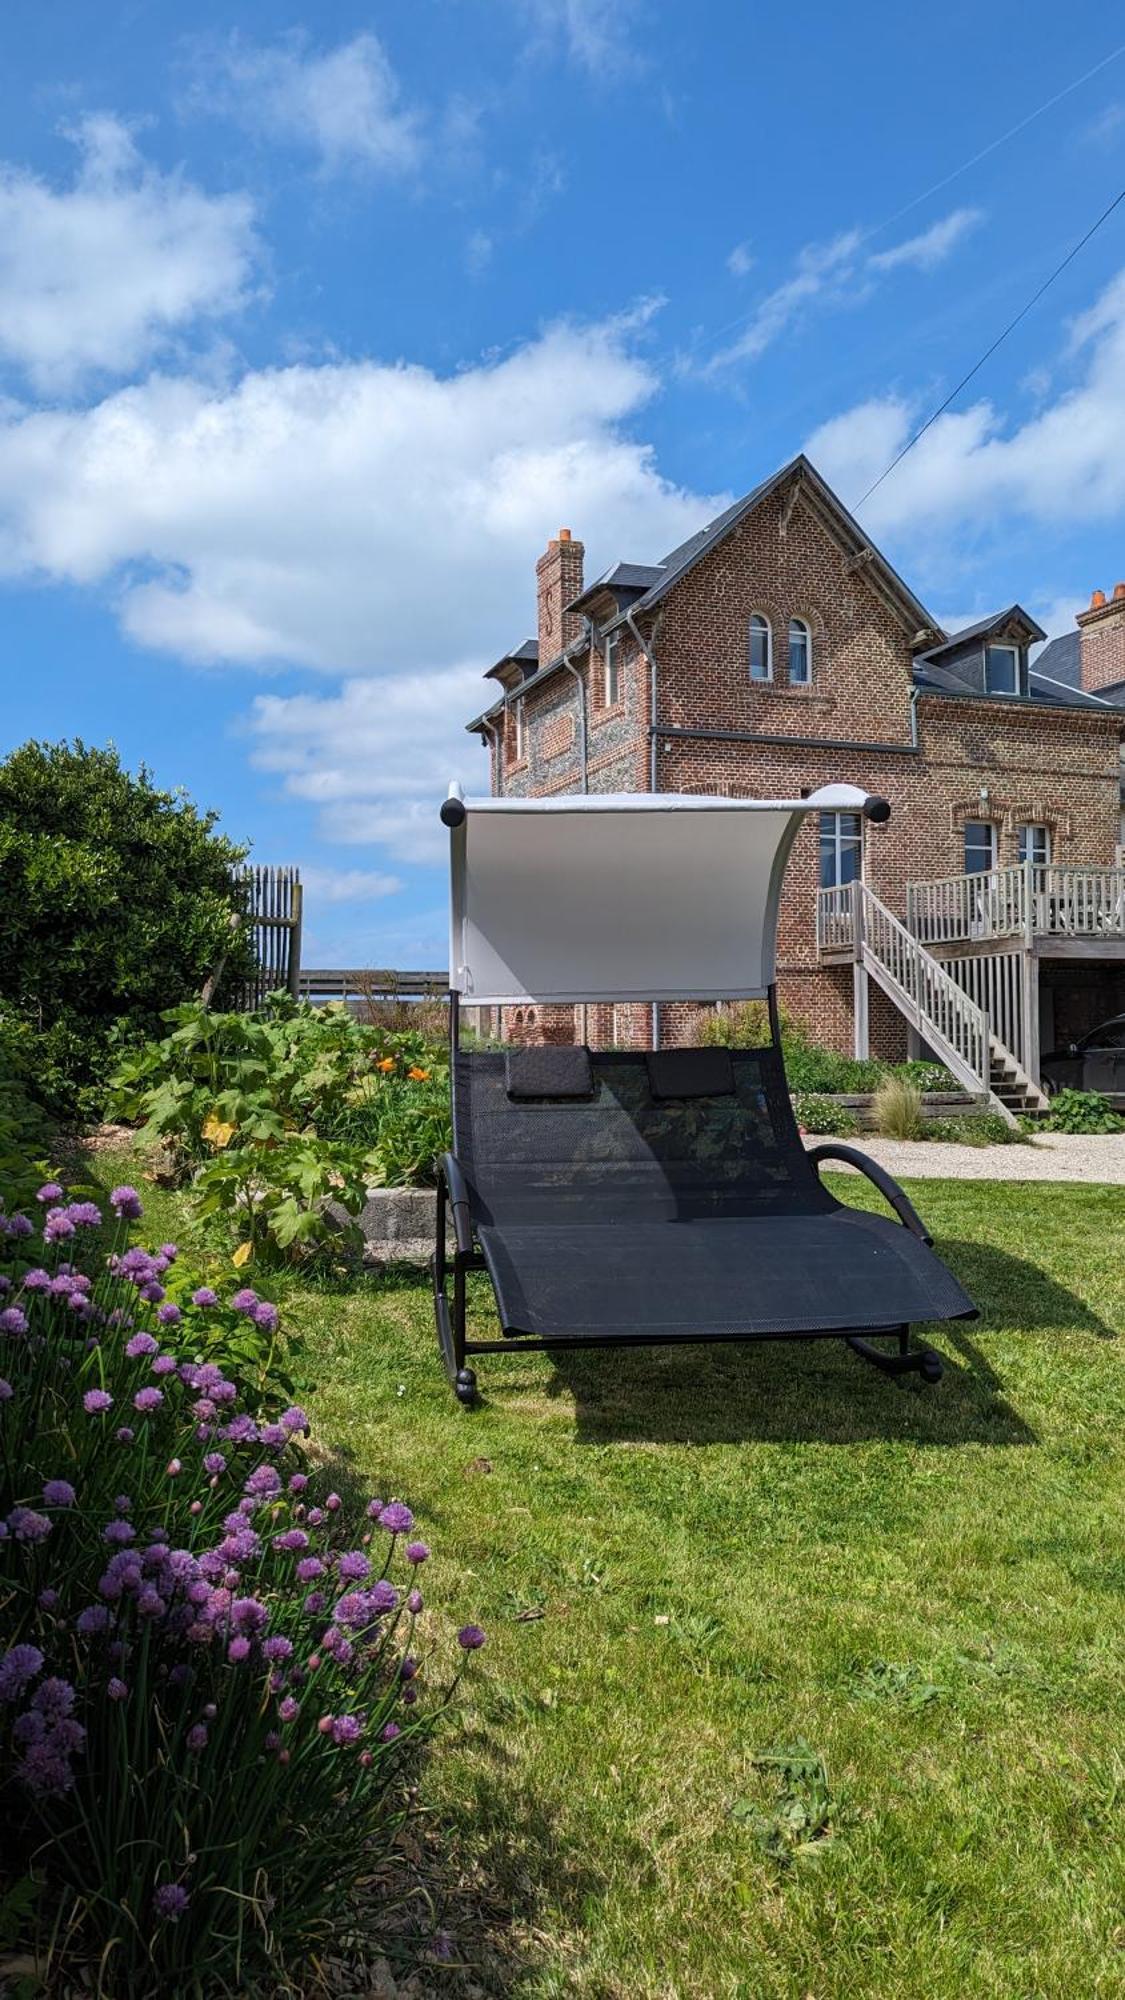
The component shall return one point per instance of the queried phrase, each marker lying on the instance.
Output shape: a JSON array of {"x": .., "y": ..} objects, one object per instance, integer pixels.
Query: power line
[
  {"x": 864, "y": 236},
  {"x": 999, "y": 340}
]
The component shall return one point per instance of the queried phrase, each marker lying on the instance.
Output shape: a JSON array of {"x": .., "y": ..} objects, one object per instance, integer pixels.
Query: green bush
[
  {"x": 1081, "y": 1111},
  {"x": 822, "y": 1115},
  {"x": 115, "y": 900},
  {"x": 745, "y": 1025},
  {"x": 983, "y": 1128},
  {"x": 283, "y": 1118},
  {"x": 25, "y": 1130}
]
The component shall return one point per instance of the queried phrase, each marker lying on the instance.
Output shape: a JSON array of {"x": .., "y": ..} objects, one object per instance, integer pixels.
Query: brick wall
[
  {"x": 1102, "y": 641},
  {"x": 558, "y": 577}
]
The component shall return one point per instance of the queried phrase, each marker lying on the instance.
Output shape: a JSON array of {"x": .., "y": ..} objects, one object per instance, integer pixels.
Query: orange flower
[
  {"x": 386, "y": 1065},
  {"x": 418, "y": 1075}
]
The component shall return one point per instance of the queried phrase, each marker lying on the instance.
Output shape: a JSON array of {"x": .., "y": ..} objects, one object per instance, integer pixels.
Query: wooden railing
[
  {"x": 835, "y": 927},
  {"x": 318, "y": 983},
  {"x": 943, "y": 1013},
  {"x": 270, "y": 900},
  {"x": 1018, "y": 902}
]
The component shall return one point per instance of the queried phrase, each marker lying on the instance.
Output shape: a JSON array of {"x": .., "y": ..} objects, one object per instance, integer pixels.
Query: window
[
  {"x": 1002, "y": 669},
  {"x": 1035, "y": 845},
  {"x": 841, "y": 849},
  {"x": 611, "y": 686},
  {"x": 761, "y": 648},
  {"x": 800, "y": 652},
  {"x": 980, "y": 846}
]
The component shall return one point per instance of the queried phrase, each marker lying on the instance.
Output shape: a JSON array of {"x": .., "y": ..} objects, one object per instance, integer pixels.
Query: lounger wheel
[
  {"x": 929, "y": 1368},
  {"x": 465, "y": 1386}
]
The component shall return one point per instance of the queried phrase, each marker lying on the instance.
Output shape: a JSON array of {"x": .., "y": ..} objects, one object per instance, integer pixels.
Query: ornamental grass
[{"x": 213, "y": 1671}]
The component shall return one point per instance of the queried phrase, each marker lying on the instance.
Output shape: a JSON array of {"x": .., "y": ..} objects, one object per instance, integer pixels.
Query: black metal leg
[
  {"x": 908, "y": 1361},
  {"x": 464, "y": 1379}
]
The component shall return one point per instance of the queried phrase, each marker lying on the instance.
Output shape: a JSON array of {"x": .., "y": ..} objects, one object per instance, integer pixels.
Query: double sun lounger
[{"x": 626, "y": 1198}]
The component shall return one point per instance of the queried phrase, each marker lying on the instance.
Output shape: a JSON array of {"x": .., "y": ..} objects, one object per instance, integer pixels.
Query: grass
[{"x": 801, "y": 1681}]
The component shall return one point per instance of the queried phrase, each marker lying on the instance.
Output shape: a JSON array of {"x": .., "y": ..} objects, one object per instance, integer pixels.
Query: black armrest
[
  {"x": 454, "y": 1179},
  {"x": 889, "y": 1189}
]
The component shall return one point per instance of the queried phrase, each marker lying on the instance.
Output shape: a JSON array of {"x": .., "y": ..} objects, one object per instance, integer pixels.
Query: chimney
[
  {"x": 1102, "y": 640},
  {"x": 558, "y": 575}
]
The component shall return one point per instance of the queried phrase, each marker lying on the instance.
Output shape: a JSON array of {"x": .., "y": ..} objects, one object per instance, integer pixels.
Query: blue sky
[{"x": 314, "y": 327}]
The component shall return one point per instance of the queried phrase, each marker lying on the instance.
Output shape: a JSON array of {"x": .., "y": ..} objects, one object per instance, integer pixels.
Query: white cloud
[
  {"x": 343, "y": 104},
  {"x": 593, "y": 33},
  {"x": 1105, "y": 130},
  {"x": 837, "y": 273},
  {"x": 99, "y": 276},
  {"x": 478, "y": 253},
  {"x": 932, "y": 247},
  {"x": 370, "y": 521},
  {"x": 740, "y": 262},
  {"x": 974, "y": 470},
  {"x": 346, "y": 885}
]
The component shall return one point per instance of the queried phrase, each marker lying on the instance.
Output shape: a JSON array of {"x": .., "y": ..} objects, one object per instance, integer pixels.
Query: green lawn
[{"x": 686, "y": 1560}]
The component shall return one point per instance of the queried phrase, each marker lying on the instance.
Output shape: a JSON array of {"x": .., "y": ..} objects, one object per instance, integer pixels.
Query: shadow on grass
[{"x": 818, "y": 1390}]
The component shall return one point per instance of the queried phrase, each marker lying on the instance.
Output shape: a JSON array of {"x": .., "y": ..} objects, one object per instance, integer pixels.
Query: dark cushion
[
  {"x": 691, "y": 1073},
  {"x": 549, "y": 1072}
]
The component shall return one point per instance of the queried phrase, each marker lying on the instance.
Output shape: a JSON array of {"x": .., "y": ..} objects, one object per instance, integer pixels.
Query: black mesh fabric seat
[{"x": 670, "y": 1198}]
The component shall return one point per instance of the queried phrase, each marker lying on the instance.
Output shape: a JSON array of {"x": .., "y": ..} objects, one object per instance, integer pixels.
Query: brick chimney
[
  {"x": 558, "y": 575},
  {"x": 1102, "y": 641}
]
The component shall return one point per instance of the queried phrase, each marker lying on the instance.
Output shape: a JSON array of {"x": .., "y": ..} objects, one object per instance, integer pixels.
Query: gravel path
[{"x": 1052, "y": 1156}]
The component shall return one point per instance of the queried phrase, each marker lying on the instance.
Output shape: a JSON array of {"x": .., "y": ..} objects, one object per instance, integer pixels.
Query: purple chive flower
[
  {"x": 353, "y": 1566},
  {"x": 263, "y": 1482},
  {"x": 125, "y": 1435},
  {"x": 248, "y": 1614},
  {"x": 346, "y": 1729},
  {"x": 197, "y": 1738},
  {"x": 147, "y": 1399},
  {"x": 12, "y": 1320},
  {"x": 96, "y": 1401},
  {"x": 214, "y": 1463},
  {"x": 389, "y": 1731},
  {"x": 18, "y": 1665},
  {"x": 141, "y": 1343},
  {"x": 471, "y": 1638},
  {"x": 245, "y": 1300},
  {"x": 204, "y": 1296},
  {"x": 94, "y": 1619},
  {"x": 169, "y": 1315},
  {"x": 20, "y": 1225},
  {"x": 126, "y": 1204},
  {"x": 315, "y": 1602},
  {"x": 170, "y": 1901},
  {"x": 58, "y": 1493},
  {"x": 298, "y": 1482},
  {"x": 396, "y": 1518},
  {"x": 28, "y": 1526},
  {"x": 169, "y": 1252},
  {"x": 309, "y": 1568},
  {"x": 291, "y": 1542},
  {"x": 50, "y": 1191},
  {"x": 37, "y": 1280},
  {"x": 164, "y": 1364},
  {"x": 48, "y": 1600},
  {"x": 152, "y": 1293},
  {"x": 119, "y": 1533},
  {"x": 53, "y": 1699},
  {"x": 85, "y": 1214},
  {"x": 289, "y": 1709},
  {"x": 265, "y": 1316},
  {"x": 5, "y": 1390},
  {"x": 414, "y": 1602},
  {"x": 58, "y": 1226},
  {"x": 333, "y": 1503},
  {"x": 417, "y": 1552},
  {"x": 116, "y": 1689},
  {"x": 278, "y": 1648},
  {"x": 238, "y": 1650}
]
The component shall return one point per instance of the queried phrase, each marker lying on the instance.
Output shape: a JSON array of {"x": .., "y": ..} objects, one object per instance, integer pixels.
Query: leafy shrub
[
  {"x": 210, "y": 1680},
  {"x": 25, "y": 1130},
  {"x": 283, "y": 1118},
  {"x": 983, "y": 1128},
  {"x": 745, "y": 1025},
  {"x": 1081, "y": 1111},
  {"x": 823, "y": 1115},
  {"x": 897, "y": 1109},
  {"x": 115, "y": 898}
]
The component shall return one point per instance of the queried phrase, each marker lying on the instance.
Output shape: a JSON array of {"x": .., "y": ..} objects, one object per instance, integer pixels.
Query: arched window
[
  {"x": 800, "y": 652},
  {"x": 761, "y": 648}
]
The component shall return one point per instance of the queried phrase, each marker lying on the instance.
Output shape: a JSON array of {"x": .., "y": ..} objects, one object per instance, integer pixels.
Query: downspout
[
  {"x": 580, "y": 692},
  {"x": 649, "y": 653}
]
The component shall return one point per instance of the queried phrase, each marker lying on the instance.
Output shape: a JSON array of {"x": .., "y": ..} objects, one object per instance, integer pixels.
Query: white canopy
[{"x": 628, "y": 896}]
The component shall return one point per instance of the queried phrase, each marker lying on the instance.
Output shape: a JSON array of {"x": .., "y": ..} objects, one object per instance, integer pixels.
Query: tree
[{"x": 116, "y": 902}]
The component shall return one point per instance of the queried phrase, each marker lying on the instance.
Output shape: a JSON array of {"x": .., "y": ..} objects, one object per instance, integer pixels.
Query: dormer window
[
  {"x": 800, "y": 653},
  {"x": 761, "y": 648},
  {"x": 1002, "y": 670}
]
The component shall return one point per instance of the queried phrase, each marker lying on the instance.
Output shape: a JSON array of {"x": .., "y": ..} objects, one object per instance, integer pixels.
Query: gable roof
[
  {"x": 846, "y": 529},
  {"x": 1015, "y": 614},
  {"x": 1061, "y": 659},
  {"x": 933, "y": 678}
]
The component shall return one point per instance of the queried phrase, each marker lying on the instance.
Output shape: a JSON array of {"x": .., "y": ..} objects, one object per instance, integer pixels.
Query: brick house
[{"x": 776, "y": 651}]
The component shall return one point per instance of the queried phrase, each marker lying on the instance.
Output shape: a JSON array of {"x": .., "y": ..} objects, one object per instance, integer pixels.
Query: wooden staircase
[{"x": 944, "y": 1015}]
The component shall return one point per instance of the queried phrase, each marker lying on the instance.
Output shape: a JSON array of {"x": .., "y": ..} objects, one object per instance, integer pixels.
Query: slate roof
[
  {"x": 933, "y": 678},
  {"x": 525, "y": 656},
  {"x": 1061, "y": 659},
  {"x": 983, "y": 625}
]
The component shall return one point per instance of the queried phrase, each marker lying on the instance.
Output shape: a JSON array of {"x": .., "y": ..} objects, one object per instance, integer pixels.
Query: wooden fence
[
  {"x": 379, "y": 984},
  {"x": 271, "y": 898}
]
